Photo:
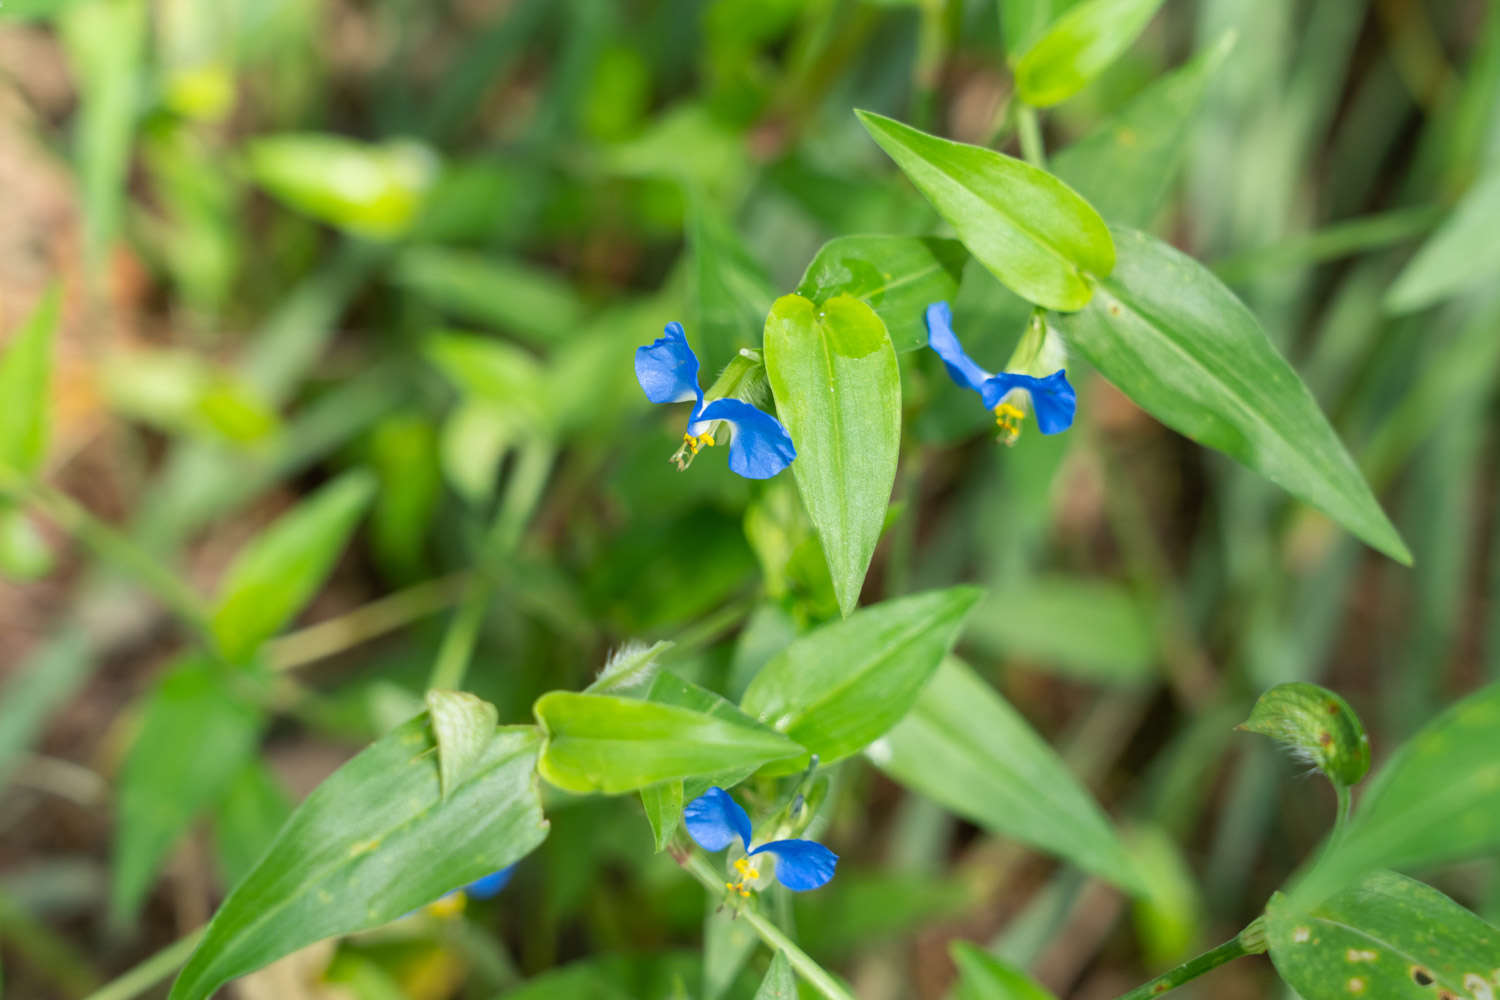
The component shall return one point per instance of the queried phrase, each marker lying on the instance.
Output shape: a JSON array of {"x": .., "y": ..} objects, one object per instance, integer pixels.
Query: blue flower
[
  {"x": 1009, "y": 393},
  {"x": 668, "y": 372},
  {"x": 452, "y": 903},
  {"x": 714, "y": 820}
]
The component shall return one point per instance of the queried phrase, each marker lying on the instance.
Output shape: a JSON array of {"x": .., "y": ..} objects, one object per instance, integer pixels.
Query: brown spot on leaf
[
  {"x": 1421, "y": 976},
  {"x": 1325, "y": 738}
]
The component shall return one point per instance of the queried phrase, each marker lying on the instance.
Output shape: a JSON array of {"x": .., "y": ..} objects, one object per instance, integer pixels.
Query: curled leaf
[{"x": 1317, "y": 726}]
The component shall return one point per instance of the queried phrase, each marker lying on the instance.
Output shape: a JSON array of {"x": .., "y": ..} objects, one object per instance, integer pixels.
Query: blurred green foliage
[{"x": 340, "y": 313}]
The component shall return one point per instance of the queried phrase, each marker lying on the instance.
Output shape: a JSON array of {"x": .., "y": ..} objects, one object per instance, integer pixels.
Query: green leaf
[
  {"x": 504, "y": 294},
  {"x": 1022, "y": 23},
  {"x": 1176, "y": 341},
  {"x": 1078, "y": 47},
  {"x": 897, "y": 276},
  {"x": 1317, "y": 726},
  {"x": 731, "y": 293},
  {"x": 371, "y": 190},
  {"x": 842, "y": 686},
  {"x": 25, "y": 374},
  {"x": 965, "y": 747},
  {"x": 601, "y": 743},
  {"x": 833, "y": 372},
  {"x": 281, "y": 569},
  {"x": 669, "y": 689},
  {"x": 1387, "y": 938},
  {"x": 373, "y": 842},
  {"x": 982, "y": 976},
  {"x": 182, "y": 393},
  {"x": 779, "y": 983},
  {"x": 1434, "y": 801},
  {"x": 1126, "y": 165},
  {"x": 1030, "y": 229},
  {"x": 1038, "y": 620},
  {"x": 196, "y": 733},
  {"x": 1462, "y": 254},
  {"x": 106, "y": 45},
  {"x": 663, "y": 805},
  {"x": 462, "y": 724},
  {"x": 247, "y": 819}
]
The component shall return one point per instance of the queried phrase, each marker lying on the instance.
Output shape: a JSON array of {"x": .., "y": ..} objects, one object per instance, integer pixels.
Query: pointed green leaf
[
  {"x": 275, "y": 575},
  {"x": 601, "y": 743},
  {"x": 25, "y": 374},
  {"x": 663, "y": 805},
  {"x": 372, "y": 843},
  {"x": 833, "y": 372},
  {"x": 196, "y": 733},
  {"x": 669, "y": 689},
  {"x": 1126, "y": 165},
  {"x": 1437, "y": 799},
  {"x": 1462, "y": 254},
  {"x": 963, "y": 746},
  {"x": 897, "y": 276},
  {"x": 372, "y": 190},
  {"x": 779, "y": 983},
  {"x": 982, "y": 976},
  {"x": 463, "y": 725},
  {"x": 1386, "y": 938},
  {"x": 1022, "y": 23},
  {"x": 842, "y": 686},
  {"x": 1175, "y": 340},
  {"x": 498, "y": 292},
  {"x": 1078, "y": 47},
  {"x": 731, "y": 292},
  {"x": 1030, "y": 229}
]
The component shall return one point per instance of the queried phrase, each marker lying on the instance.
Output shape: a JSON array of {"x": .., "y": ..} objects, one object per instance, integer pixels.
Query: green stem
[
  {"x": 109, "y": 545},
  {"x": 1030, "y": 129},
  {"x": 523, "y": 489},
  {"x": 1250, "y": 941},
  {"x": 1345, "y": 805},
  {"x": 811, "y": 972},
  {"x": 365, "y": 622},
  {"x": 150, "y": 972}
]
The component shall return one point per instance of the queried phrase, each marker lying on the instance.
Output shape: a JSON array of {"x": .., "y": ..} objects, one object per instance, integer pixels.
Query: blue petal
[
  {"x": 713, "y": 819},
  {"x": 1052, "y": 398},
  {"x": 800, "y": 864},
  {"x": 941, "y": 338},
  {"x": 1054, "y": 401},
  {"x": 761, "y": 447},
  {"x": 667, "y": 369},
  {"x": 491, "y": 884}
]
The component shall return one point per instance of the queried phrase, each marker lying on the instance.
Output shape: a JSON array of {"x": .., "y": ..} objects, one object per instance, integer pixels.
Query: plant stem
[
  {"x": 150, "y": 972},
  {"x": 523, "y": 489},
  {"x": 365, "y": 622},
  {"x": 108, "y": 544},
  {"x": 1031, "y": 136},
  {"x": 814, "y": 974},
  {"x": 1249, "y": 941}
]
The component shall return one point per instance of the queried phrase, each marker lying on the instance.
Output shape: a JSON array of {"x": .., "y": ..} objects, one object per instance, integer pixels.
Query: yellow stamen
[
  {"x": 450, "y": 905},
  {"x": 700, "y": 441},
  {"x": 747, "y": 873},
  {"x": 1008, "y": 418}
]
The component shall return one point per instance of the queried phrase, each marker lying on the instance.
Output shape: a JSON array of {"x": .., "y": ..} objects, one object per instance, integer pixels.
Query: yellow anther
[
  {"x": 1008, "y": 418},
  {"x": 747, "y": 874},
  {"x": 695, "y": 443},
  {"x": 450, "y": 905}
]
